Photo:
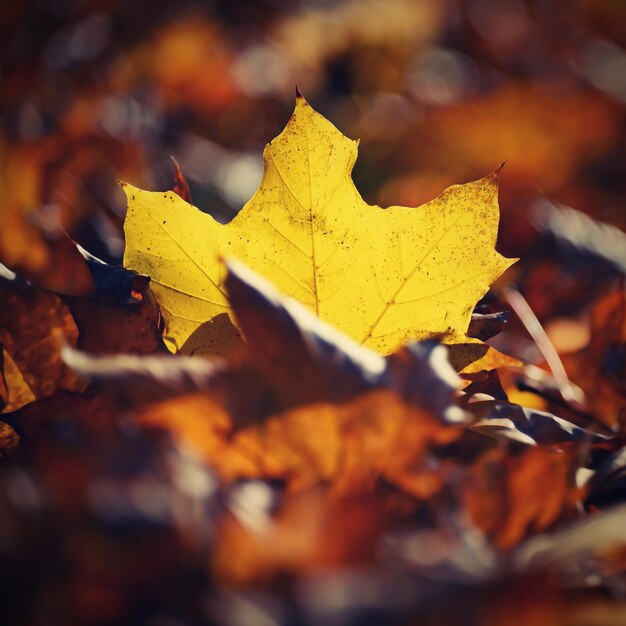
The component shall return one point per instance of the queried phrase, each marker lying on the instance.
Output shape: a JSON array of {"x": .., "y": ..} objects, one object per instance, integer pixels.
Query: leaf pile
[{"x": 332, "y": 439}]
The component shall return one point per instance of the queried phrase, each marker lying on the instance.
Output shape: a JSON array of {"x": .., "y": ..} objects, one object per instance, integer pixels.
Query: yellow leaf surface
[{"x": 383, "y": 276}]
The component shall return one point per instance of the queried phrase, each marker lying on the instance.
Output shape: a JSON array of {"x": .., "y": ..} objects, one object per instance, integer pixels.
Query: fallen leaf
[
  {"x": 483, "y": 326},
  {"x": 108, "y": 328},
  {"x": 286, "y": 340},
  {"x": 599, "y": 368},
  {"x": 117, "y": 283},
  {"x": 499, "y": 419},
  {"x": 582, "y": 236},
  {"x": 8, "y": 439},
  {"x": 510, "y": 498},
  {"x": 15, "y": 391},
  {"x": 355, "y": 417},
  {"x": 351, "y": 445},
  {"x": 34, "y": 324},
  {"x": 384, "y": 277},
  {"x": 581, "y": 545},
  {"x": 121, "y": 316}
]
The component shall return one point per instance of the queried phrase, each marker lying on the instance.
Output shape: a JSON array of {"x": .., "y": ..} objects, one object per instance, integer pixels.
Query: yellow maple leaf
[{"x": 383, "y": 276}]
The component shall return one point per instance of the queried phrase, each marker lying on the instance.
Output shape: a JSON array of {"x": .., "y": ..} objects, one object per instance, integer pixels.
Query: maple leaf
[{"x": 384, "y": 277}]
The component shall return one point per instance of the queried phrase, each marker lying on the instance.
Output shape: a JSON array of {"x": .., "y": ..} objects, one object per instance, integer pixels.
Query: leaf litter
[{"x": 336, "y": 445}]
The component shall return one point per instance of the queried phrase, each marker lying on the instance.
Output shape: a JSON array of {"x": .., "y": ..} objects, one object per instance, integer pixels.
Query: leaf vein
[
  {"x": 193, "y": 261},
  {"x": 406, "y": 279}
]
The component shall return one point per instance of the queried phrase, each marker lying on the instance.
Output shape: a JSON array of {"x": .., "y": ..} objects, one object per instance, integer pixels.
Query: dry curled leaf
[
  {"x": 286, "y": 341},
  {"x": 354, "y": 416},
  {"x": 506, "y": 420},
  {"x": 108, "y": 328},
  {"x": 34, "y": 325}
]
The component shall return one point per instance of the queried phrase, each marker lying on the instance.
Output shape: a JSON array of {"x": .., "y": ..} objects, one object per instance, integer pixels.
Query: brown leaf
[
  {"x": 505, "y": 420},
  {"x": 8, "y": 439},
  {"x": 34, "y": 324},
  {"x": 599, "y": 369},
  {"x": 483, "y": 326},
  {"x": 510, "y": 498},
  {"x": 106, "y": 327},
  {"x": 15, "y": 390}
]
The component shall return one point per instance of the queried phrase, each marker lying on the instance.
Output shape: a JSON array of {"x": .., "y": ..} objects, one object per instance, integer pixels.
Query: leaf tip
[
  {"x": 495, "y": 175},
  {"x": 181, "y": 186},
  {"x": 301, "y": 101}
]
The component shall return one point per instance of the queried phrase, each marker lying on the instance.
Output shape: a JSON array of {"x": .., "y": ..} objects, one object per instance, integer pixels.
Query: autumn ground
[{"x": 352, "y": 470}]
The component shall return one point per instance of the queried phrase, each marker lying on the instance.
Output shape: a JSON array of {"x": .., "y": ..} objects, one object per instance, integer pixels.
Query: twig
[{"x": 572, "y": 394}]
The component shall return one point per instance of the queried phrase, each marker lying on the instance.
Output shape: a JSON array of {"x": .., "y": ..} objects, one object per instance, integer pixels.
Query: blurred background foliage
[{"x": 440, "y": 92}]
